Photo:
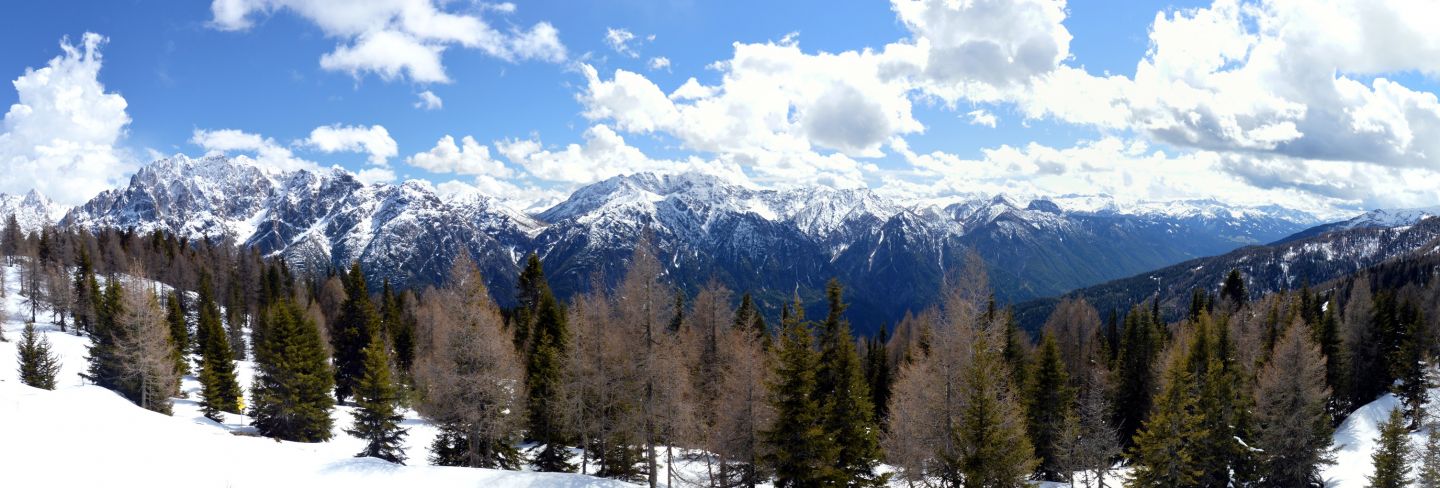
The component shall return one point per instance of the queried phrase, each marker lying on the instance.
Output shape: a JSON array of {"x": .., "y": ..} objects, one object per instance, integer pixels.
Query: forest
[{"x": 1243, "y": 391}]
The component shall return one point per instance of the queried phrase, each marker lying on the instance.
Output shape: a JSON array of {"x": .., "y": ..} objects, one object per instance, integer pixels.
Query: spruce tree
[
  {"x": 847, "y": 414},
  {"x": 1048, "y": 407},
  {"x": 219, "y": 390},
  {"x": 544, "y": 373},
  {"x": 1139, "y": 345},
  {"x": 351, "y": 332},
  {"x": 87, "y": 293},
  {"x": 1165, "y": 448},
  {"x": 104, "y": 353},
  {"x": 291, "y": 393},
  {"x": 179, "y": 330},
  {"x": 994, "y": 448},
  {"x": 38, "y": 364},
  {"x": 1392, "y": 453},
  {"x": 1233, "y": 290},
  {"x": 377, "y": 421},
  {"x": 1429, "y": 476},
  {"x": 878, "y": 375},
  {"x": 798, "y": 449}
]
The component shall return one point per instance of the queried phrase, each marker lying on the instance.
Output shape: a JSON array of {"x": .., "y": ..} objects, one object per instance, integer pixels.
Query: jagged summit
[{"x": 894, "y": 252}]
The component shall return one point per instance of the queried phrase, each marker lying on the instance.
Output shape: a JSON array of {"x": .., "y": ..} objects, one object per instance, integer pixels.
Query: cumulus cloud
[
  {"x": 399, "y": 38},
  {"x": 374, "y": 141},
  {"x": 604, "y": 154},
  {"x": 429, "y": 101},
  {"x": 266, "y": 152},
  {"x": 982, "y": 48},
  {"x": 60, "y": 136},
  {"x": 660, "y": 63},
  {"x": 776, "y": 107},
  {"x": 468, "y": 158}
]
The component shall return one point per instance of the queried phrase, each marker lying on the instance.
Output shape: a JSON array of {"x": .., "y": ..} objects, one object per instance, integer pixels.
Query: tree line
[{"x": 1244, "y": 391}]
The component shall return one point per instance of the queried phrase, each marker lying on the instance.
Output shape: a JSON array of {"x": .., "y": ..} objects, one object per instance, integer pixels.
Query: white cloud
[
  {"x": 982, "y": 117},
  {"x": 982, "y": 48},
  {"x": 604, "y": 154},
  {"x": 373, "y": 140},
  {"x": 371, "y": 176},
  {"x": 429, "y": 101},
  {"x": 469, "y": 158},
  {"x": 266, "y": 151},
  {"x": 619, "y": 40},
  {"x": 659, "y": 62},
  {"x": 395, "y": 37},
  {"x": 777, "y": 109},
  {"x": 60, "y": 136}
]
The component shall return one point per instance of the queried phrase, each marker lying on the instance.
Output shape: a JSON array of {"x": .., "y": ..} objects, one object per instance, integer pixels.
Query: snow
[{"x": 84, "y": 435}]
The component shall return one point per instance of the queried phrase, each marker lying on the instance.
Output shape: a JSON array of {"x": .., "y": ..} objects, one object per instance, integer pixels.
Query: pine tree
[
  {"x": 219, "y": 390},
  {"x": 799, "y": 451},
  {"x": 847, "y": 414},
  {"x": 1139, "y": 346},
  {"x": 994, "y": 448},
  {"x": 1233, "y": 290},
  {"x": 292, "y": 385},
  {"x": 1294, "y": 431},
  {"x": 351, "y": 333},
  {"x": 878, "y": 374},
  {"x": 179, "y": 330},
  {"x": 544, "y": 370},
  {"x": 104, "y": 354},
  {"x": 87, "y": 293},
  {"x": 38, "y": 364},
  {"x": 1429, "y": 476},
  {"x": 1392, "y": 453},
  {"x": 376, "y": 420},
  {"x": 1047, "y": 409},
  {"x": 1165, "y": 449}
]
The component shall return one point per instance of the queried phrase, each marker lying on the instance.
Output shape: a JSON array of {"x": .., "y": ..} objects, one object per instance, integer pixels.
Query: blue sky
[{"x": 181, "y": 68}]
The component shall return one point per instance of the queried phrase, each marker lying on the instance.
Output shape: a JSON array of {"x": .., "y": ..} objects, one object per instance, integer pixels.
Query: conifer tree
[
  {"x": 219, "y": 390},
  {"x": 145, "y": 355},
  {"x": 1327, "y": 336},
  {"x": 798, "y": 449},
  {"x": 351, "y": 333},
  {"x": 38, "y": 364},
  {"x": 1294, "y": 434},
  {"x": 1429, "y": 476},
  {"x": 1139, "y": 346},
  {"x": 1165, "y": 448},
  {"x": 1233, "y": 290},
  {"x": 544, "y": 370},
  {"x": 87, "y": 293},
  {"x": 1392, "y": 453},
  {"x": 847, "y": 414},
  {"x": 1048, "y": 407},
  {"x": 468, "y": 377},
  {"x": 179, "y": 330},
  {"x": 291, "y": 393},
  {"x": 994, "y": 448},
  {"x": 878, "y": 374},
  {"x": 376, "y": 420},
  {"x": 103, "y": 352}
]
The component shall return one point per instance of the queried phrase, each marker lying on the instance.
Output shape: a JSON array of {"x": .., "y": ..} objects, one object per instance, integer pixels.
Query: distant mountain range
[
  {"x": 1314, "y": 256},
  {"x": 893, "y": 255}
]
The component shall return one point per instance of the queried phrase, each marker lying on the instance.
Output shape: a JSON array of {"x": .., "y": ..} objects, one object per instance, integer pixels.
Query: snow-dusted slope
[{"x": 1374, "y": 219}]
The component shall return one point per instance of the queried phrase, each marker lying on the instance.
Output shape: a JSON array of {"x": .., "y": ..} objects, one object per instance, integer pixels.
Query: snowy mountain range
[{"x": 894, "y": 255}]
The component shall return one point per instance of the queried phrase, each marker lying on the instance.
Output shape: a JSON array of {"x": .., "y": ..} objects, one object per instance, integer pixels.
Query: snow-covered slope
[{"x": 84, "y": 435}]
